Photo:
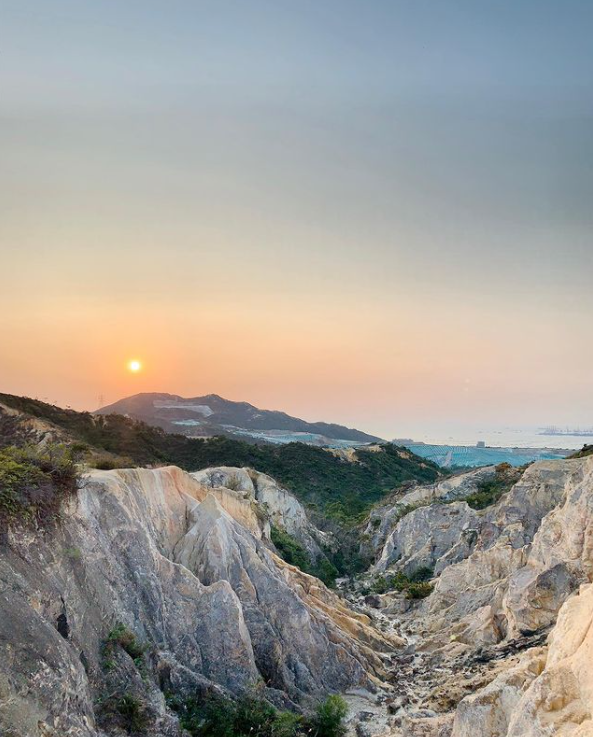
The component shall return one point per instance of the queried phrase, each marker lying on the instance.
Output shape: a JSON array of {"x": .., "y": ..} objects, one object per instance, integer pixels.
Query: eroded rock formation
[
  {"x": 184, "y": 567},
  {"x": 501, "y": 648}
]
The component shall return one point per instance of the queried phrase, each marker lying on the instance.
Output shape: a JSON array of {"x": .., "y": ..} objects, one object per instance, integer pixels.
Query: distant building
[{"x": 480, "y": 444}]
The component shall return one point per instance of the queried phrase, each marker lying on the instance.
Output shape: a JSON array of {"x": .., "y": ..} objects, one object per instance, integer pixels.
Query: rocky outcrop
[
  {"x": 186, "y": 569},
  {"x": 433, "y": 537},
  {"x": 480, "y": 660},
  {"x": 384, "y": 519},
  {"x": 277, "y": 505},
  {"x": 532, "y": 551}
]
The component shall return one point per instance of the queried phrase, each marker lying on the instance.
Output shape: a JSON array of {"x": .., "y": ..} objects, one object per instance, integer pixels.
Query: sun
[{"x": 134, "y": 366}]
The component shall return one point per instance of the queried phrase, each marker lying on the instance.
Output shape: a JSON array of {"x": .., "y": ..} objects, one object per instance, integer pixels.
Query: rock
[
  {"x": 274, "y": 504},
  {"x": 560, "y": 700},
  {"x": 187, "y": 570},
  {"x": 488, "y": 712},
  {"x": 428, "y": 726},
  {"x": 424, "y": 536},
  {"x": 384, "y": 519},
  {"x": 532, "y": 550}
]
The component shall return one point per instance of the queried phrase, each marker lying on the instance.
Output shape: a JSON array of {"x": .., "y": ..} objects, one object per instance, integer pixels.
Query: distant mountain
[{"x": 213, "y": 415}]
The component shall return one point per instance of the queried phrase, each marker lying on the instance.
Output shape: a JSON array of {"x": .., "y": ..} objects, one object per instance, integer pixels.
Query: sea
[{"x": 472, "y": 448}]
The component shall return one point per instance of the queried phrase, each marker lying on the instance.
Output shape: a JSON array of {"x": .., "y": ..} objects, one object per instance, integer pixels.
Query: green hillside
[{"x": 336, "y": 488}]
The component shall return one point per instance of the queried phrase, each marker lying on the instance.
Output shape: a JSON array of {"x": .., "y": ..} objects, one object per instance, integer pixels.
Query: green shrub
[
  {"x": 419, "y": 590},
  {"x": 253, "y": 716},
  {"x": 290, "y": 548},
  {"x": 328, "y": 720},
  {"x": 34, "y": 482},
  {"x": 422, "y": 574},
  {"x": 325, "y": 571},
  {"x": 294, "y": 553},
  {"x": 415, "y": 586},
  {"x": 133, "y": 713},
  {"x": 249, "y": 716},
  {"x": 491, "y": 490},
  {"x": 126, "y": 639},
  {"x": 106, "y": 462}
]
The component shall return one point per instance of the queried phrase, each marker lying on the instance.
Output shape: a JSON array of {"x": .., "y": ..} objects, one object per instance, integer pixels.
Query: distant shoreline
[{"x": 510, "y": 448}]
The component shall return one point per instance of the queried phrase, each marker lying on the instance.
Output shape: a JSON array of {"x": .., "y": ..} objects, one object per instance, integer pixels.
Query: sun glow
[{"x": 134, "y": 366}]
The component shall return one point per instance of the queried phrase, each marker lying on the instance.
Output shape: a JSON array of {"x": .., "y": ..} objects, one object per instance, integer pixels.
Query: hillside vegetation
[
  {"x": 337, "y": 488},
  {"x": 34, "y": 482}
]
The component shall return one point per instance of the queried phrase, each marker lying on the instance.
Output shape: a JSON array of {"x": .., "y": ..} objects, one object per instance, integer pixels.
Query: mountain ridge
[{"x": 212, "y": 414}]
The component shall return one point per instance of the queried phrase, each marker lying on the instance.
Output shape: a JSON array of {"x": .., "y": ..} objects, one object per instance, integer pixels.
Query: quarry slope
[
  {"x": 188, "y": 571},
  {"x": 502, "y": 646}
]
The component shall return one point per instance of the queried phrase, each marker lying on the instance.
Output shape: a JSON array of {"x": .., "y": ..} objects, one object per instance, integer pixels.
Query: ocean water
[{"x": 500, "y": 438}]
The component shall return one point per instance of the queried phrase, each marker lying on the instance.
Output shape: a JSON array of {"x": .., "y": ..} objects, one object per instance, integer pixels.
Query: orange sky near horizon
[{"x": 368, "y": 364}]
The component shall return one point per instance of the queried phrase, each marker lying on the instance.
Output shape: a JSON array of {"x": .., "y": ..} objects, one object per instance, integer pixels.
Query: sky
[{"x": 374, "y": 212}]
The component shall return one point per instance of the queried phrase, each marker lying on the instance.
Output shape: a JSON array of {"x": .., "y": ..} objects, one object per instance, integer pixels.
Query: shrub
[
  {"x": 424, "y": 573},
  {"x": 34, "y": 482},
  {"x": 253, "y": 716},
  {"x": 294, "y": 553},
  {"x": 325, "y": 571},
  {"x": 290, "y": 549},
  {"x": 126, "y": 639},
  {"x": 415, "y": 586},
  {"x": 132, "y": 712},
  {"x": 490, "y": 490},
  {"x": 217, "y": 716},
  {"x": 328, "y": 720},
  {"x": 419, "y": 590}
]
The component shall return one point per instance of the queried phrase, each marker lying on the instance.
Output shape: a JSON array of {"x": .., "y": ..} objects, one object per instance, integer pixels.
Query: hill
[
  {"x": 336, "y": 487},
  {"x": 213, "y": 415}
]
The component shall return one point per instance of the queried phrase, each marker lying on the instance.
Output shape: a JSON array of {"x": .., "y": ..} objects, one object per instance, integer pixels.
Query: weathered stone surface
[
  {"x": 560, "y": 700},
  {"x": 182, "y": 566},
  {"x": 385, "y": 518},
  {"x": 476, "y": 662},
  {"x": 277, "y": 504},
  {"x": 425, "y": 536},
  {"x": 531, "y": 552},
  {"x": 488, "y": 712}
]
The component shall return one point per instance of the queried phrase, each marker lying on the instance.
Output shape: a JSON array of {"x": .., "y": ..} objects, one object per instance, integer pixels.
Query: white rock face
[
  {"x": 529, "y": 571},
  {"x": 560, "y": 701},
  {"x": 185, "y": 568},
  {"x": 433, "y": 536},
  {"x": 384, "y": 519},
  {"x": 279, "y": 505},
  {"x": 532, "y": 551}
]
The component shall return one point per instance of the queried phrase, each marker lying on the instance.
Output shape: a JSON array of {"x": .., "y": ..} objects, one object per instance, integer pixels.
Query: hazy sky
[{"x": 372, "y": 212}]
